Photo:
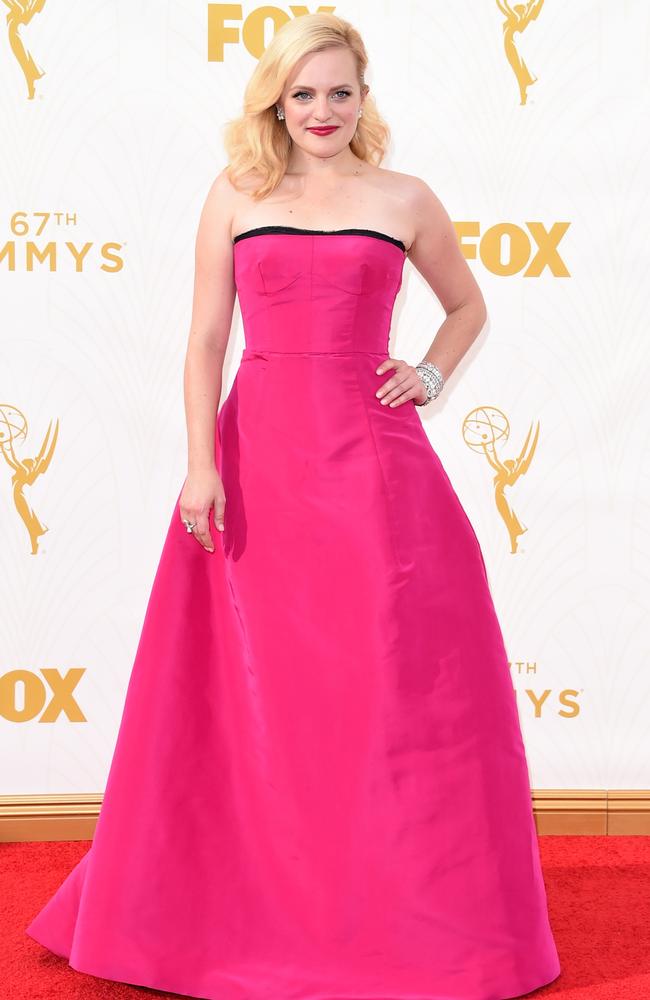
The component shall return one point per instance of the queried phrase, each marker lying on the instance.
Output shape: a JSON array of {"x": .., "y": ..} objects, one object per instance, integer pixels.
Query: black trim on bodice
[{"x": 260, "y": 230}]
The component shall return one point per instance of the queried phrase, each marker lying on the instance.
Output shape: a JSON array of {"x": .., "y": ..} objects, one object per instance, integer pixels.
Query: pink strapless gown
[{"x": 319, "y": 789}]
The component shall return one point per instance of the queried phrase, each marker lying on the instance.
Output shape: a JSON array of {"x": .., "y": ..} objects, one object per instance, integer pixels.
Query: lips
[{"x": 325, "y": 130}]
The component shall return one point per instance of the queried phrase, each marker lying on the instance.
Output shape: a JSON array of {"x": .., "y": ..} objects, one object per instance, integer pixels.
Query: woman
[{"x": 319, "y": 787}]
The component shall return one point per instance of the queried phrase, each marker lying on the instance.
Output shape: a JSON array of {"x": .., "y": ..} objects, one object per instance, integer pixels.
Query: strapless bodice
[{"x": 317, "y": 290}]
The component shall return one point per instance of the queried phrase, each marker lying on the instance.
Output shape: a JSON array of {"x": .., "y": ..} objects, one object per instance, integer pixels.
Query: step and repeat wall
[{"x": 529, "y": 121}]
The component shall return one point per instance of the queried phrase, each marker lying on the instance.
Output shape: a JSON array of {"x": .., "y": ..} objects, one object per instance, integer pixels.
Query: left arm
[{"x": 436, "y": 254}]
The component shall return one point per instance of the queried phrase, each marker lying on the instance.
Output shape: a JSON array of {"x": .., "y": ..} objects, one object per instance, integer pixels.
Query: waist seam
[{"x": 248, "y": 351}]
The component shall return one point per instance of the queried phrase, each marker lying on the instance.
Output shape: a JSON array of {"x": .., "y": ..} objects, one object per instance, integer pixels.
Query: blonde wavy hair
[{"x": 258, "y": 141}]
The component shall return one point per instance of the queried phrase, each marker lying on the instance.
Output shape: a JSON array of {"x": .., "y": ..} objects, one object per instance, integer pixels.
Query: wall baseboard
[
  {"x": 48, "y": 817},
  {"x": 586, "y": 812},
  {"x": 592, "y": 812}
]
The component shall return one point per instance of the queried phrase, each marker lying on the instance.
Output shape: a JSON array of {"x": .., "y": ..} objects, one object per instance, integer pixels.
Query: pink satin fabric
[{"x": 319, "y": 789}]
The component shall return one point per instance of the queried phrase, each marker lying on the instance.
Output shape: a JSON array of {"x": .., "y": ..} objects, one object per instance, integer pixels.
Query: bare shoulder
[
  {"x": 419, "y": 207},
  {"x": 221, "y": 197},
  {"x": 416, "y": 195},
  {"x": 428, "y": 217},
  {"x": 229, "y": 200}
]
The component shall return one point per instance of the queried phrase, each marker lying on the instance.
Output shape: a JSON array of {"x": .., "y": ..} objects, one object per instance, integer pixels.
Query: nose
[{"x": 322, "y": 111}]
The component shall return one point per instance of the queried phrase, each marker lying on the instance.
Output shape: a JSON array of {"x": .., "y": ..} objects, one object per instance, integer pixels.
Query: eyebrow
[{"x": 301, "y": 86}]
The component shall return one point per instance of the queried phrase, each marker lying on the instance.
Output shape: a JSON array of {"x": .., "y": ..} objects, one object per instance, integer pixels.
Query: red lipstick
[{"x": 323, "y": 129}]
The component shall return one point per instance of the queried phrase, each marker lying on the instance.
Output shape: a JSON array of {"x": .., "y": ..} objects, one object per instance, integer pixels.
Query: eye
[{"x": 346, "y": 93}]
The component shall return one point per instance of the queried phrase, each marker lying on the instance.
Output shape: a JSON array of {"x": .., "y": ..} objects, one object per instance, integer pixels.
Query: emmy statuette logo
[
  {"x": 485, "y": 430},
  {"x": 20, "y": 13},
  {"x": 25, "y": 471},
  {"x": 517, "y": 19}
]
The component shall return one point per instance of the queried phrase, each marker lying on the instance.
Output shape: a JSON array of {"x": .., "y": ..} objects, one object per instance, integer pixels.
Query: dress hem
[{"x": 218, "y": 994}]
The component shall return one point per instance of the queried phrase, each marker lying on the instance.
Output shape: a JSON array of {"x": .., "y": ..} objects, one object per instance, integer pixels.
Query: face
[{"x": 323, "y": 90}]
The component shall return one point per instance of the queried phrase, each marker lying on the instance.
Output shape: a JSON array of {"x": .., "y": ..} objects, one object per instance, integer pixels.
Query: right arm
[{"x": 212, "y": 311}]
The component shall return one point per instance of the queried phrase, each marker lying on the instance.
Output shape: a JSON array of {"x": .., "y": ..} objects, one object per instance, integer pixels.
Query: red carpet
[{"x": 599, "y": 902}]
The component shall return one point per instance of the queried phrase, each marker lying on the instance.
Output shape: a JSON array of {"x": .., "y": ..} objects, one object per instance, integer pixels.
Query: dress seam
[{"x": 333, "y": 354}]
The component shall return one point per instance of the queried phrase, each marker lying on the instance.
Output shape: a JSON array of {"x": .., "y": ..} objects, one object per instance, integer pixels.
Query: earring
[
  {"x": 279, "y": 113},
  {"x": 360, "y": 112}
]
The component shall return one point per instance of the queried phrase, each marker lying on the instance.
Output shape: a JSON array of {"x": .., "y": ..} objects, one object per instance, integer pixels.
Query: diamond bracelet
[{"x": 432, "y": 378}]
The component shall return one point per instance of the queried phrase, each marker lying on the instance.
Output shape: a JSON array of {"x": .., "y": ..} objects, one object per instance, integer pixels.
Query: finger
[
  {"x": 394, "y": 387},
  {"x": 202, "y": 532},
  {"x": 389, "y": 384},
  {"x": 395, "y": 363},
  {"x": 386, "y": 387},
  {"x": 386, "y": 364},
  {"x": 187, "y": 515},
  {"x": 405, "y": 397},
  {"x": 219, "y": 512}
]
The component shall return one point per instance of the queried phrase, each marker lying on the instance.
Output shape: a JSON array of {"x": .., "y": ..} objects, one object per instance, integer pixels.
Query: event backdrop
[{"x": 530, "y": 124}]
